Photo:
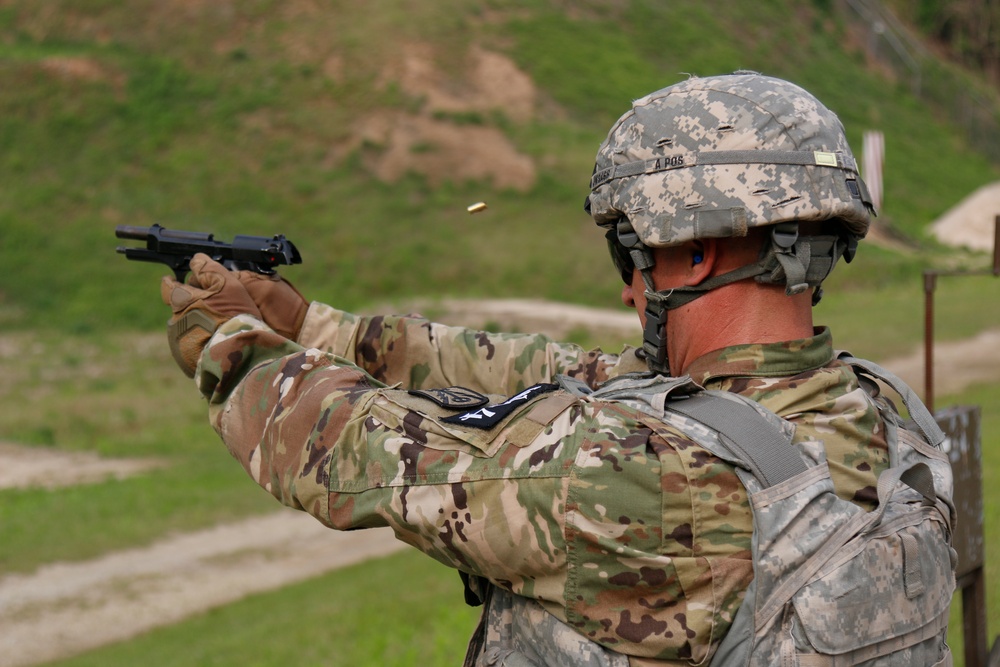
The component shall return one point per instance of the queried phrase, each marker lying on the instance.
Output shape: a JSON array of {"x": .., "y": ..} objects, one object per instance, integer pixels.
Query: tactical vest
[{"x": 833, "y": 585}]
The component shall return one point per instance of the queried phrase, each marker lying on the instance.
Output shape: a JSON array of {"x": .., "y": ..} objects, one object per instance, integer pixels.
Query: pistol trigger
[{"x": 181, "y": 267}]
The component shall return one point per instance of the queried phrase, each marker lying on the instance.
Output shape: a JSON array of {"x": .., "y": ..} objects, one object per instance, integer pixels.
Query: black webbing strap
[
  {"x": 765, "y": 450},
  {"x": 477, "y": 643}
]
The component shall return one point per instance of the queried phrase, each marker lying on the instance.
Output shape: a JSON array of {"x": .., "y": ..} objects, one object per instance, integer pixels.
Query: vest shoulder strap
[{"x": 765, "y": 449}]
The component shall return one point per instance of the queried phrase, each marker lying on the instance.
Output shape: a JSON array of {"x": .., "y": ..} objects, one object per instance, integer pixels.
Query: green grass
[
  {"x": 401, "y": 610},
  {"x": 239, "y": 122},
  {"x": 120, "y": 397},
  {"x": 86, "y": 521},
  {"x": 988, "y": 398},
  {"x": 876, "y": 304},
  {"x": 239, "y": 118}
]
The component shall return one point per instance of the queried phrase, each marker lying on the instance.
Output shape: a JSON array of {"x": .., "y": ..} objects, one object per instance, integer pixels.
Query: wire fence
[{"x": 955, "y": 94}]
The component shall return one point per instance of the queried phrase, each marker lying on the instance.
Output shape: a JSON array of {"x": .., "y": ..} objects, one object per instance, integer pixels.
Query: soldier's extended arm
[
  {"x": 417, "y": 353},
  {"x": 409, "y": 351},
  {"x": 321, "y": 435},
  {"x": 524, "y": 502}
]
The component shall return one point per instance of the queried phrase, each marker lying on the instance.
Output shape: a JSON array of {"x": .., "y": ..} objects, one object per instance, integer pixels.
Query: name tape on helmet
[{"x": 683, "y": 160}]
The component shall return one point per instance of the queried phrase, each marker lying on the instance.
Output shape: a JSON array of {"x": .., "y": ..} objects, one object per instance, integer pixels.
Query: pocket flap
[
  {"x": 897, "y": 584},
  {"x": 439, "y": 428}
]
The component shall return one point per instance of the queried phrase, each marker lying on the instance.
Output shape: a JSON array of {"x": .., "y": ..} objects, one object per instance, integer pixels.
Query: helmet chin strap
[
  {"x": 796, "y": 262},
  {"x": 654, "y": 331},
  {"x": 660, "y": 302}
]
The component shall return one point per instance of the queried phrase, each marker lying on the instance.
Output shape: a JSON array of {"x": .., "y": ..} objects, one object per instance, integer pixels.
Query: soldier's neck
[{"x": 743, "y": 313}]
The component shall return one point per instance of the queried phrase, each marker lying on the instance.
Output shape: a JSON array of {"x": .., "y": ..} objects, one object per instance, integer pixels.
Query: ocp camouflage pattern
[
  {"x": 685, "y": 177},
  {"x": 417, "y": 353},
  {"x": 638, "y": 540}
]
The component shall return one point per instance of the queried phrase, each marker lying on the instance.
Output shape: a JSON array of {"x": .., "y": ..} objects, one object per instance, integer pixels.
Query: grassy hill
[{"x": 362, "y": 131}]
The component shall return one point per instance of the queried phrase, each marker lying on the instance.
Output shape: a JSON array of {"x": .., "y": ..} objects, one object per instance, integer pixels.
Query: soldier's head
[{"x": 742, "y": 158}]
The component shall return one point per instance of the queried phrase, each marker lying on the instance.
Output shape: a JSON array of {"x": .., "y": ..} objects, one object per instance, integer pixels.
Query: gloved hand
[
  {"x": 282, "y": 306},
  {"x": 212, "y": 296}
]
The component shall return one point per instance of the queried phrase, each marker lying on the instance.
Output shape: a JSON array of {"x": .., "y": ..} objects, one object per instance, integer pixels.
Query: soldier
[{"x": 594, "y": 520}]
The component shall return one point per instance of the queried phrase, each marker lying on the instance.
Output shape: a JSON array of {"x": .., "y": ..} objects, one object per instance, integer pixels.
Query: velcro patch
[
  {"x": 453, "y": 398},
  {"x": 491, "y": 415}
]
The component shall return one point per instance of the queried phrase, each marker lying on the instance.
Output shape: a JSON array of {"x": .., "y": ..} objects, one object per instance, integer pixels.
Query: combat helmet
[{"x": 713, "y": 157}]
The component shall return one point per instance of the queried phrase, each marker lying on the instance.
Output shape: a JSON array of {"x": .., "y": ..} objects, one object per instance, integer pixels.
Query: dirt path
[
  {"x": 957, "y": 364},
  {"x": 64, "y": 609},
  {"x": 26, "y": 467}
]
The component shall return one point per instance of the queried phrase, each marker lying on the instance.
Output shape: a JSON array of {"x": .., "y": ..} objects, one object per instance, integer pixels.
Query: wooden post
[{"x": 962, "y": 426}]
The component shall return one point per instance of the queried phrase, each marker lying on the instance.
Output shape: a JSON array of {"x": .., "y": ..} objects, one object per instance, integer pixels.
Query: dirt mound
[
  {"x": 971, "y": 222},
  {"x": 441, "y": 151},
  {"x": 490, "y": 82},
  {"x": 450, "y": 137},
  {"x": 82, "y": 69}
]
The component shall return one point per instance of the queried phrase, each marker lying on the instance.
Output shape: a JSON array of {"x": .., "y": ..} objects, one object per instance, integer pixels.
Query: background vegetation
[
  {"x": 250, "y": 116},
  {"x": 223, "y": 117}
]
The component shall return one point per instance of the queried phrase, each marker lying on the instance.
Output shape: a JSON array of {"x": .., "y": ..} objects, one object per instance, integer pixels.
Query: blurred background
[{"x": 363, "y": 131}]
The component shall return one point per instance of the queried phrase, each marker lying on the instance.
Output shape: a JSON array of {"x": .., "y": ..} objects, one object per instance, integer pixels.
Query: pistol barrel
[{"x": 133, "y": 232}]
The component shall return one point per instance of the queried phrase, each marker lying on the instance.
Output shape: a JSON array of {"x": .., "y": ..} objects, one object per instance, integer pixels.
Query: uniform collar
[{"x": 765, "y": 359}]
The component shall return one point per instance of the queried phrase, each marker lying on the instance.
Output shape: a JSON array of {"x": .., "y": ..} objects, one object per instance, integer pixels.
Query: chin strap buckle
[
  {"x": 792, "y": 256},
  {"x": 654, "y": 338}
]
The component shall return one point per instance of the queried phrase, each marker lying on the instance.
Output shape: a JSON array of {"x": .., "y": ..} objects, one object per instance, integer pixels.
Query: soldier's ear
[{"x": 703, "y": 254}]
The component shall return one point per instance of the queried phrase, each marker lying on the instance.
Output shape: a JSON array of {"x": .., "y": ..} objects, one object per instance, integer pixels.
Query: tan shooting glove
[
  {"x": 282, "y": 306},
  {"x": 212, "y": 296}
]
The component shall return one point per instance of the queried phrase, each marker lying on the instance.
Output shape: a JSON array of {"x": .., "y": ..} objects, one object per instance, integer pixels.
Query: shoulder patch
[
  {"x": 491, "y": 415},
  {"x": 453, "y": 398}
]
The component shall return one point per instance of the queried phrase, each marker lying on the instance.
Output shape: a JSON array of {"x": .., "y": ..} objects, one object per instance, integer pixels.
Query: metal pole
[
  {"x": 972, "y": 583},
  {"x": 930, "y": 283},
  {"x": 996, "y": 246}
]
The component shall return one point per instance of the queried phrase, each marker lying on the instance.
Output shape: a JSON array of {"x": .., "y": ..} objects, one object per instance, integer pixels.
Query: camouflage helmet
[{"x": 712, "y": 157}]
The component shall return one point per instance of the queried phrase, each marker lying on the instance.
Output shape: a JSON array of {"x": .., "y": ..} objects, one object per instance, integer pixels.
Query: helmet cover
[{"x": 712, "y": 157}]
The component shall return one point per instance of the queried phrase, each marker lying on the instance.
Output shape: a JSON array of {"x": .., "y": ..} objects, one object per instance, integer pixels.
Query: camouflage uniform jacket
[{"x": 639, "y": 540}]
